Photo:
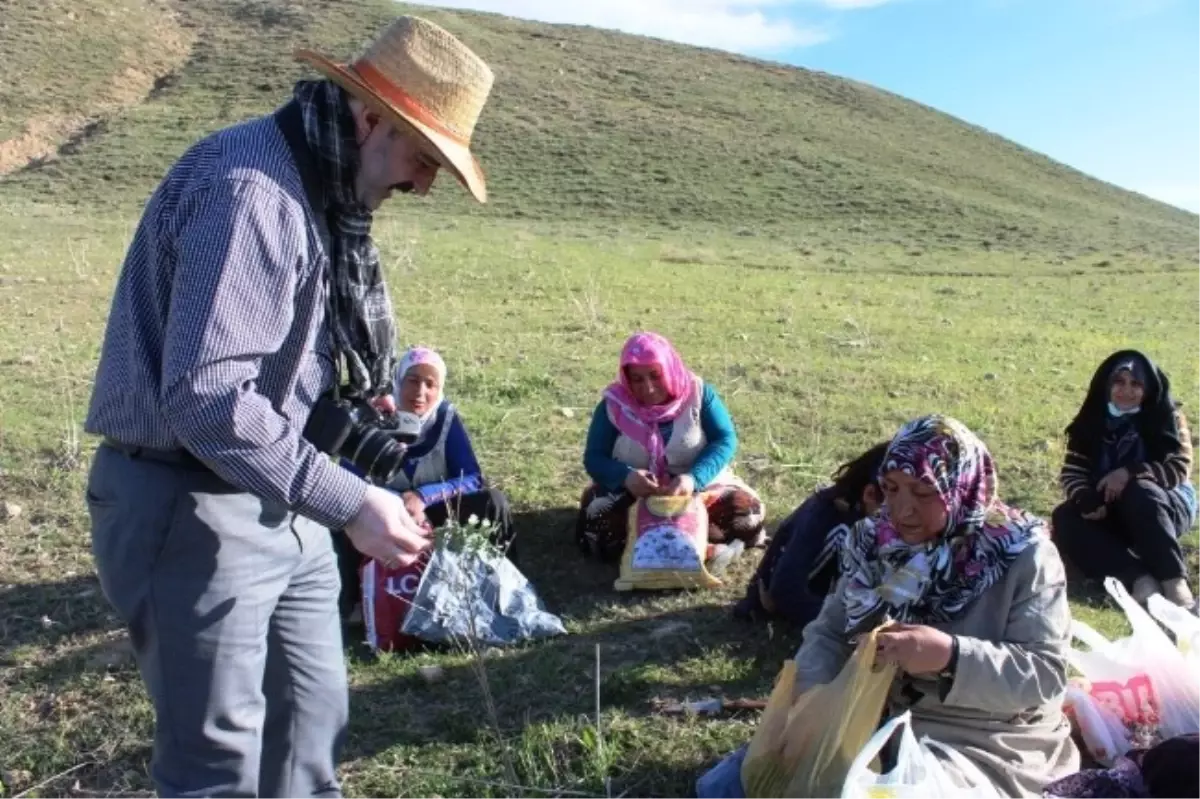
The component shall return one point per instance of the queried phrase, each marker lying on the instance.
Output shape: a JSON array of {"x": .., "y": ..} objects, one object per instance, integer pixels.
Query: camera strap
[{"x": 290, "y": 121}]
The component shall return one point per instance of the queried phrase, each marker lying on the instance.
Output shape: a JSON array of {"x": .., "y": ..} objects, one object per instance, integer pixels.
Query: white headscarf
[{"x": 415, "y": 357}]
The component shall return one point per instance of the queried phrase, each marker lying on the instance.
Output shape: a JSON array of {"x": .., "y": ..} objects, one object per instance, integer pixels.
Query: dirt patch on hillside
[{"x": 140, "y": 71}]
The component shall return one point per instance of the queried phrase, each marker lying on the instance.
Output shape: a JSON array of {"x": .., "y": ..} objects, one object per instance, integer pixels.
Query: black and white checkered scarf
[{"x": 360, "y": 310}]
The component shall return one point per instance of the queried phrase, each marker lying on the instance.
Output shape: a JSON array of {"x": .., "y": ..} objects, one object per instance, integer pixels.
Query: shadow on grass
[
  {"x": 653, "y": 645},
  {"x": 648, "y": 650},
  {"x": 43, "y": 615}
]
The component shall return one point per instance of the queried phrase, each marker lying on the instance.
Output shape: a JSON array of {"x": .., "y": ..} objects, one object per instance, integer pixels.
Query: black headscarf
[{"x": 1113, "y": 442}]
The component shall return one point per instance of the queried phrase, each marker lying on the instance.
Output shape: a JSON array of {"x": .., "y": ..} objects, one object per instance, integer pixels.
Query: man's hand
[
  {"x": 1097, "y": 515},
  {"x": 1113, "y": 484},
  {"x": 915, "y": 648},
  {"x": 385, "y": 403},
  {"x": 415, "y": 506},
  {"x": 384, "y": 530},
  {"x": 641, "y": 483},
  {"x": 682, "y": 486}
]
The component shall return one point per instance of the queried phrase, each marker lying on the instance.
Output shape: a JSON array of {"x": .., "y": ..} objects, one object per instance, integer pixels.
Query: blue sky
[{"x": 1111, "y": 87}]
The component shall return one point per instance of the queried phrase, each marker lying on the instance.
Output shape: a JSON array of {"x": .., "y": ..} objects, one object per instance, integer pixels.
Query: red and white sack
[{"x": 387, "y": 597}]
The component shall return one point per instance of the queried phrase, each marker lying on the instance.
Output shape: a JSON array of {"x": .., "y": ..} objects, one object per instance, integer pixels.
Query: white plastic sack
[
  {"x": 471, "y": 596},
  {"x": 1143, "y": 677},
  {"x": 919, "y": 773},
  {"x": 1183, "y": 625}
]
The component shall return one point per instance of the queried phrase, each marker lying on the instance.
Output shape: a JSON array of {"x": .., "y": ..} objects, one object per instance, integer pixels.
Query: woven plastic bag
[
  {"x": 920, "y": 772},
  {"x": 666, "y": 545},
  {"x": 804, "y": 745}
]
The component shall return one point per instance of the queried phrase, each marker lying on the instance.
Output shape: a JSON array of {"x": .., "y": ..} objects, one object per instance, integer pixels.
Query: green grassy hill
[{"x": 584, "y": 125}]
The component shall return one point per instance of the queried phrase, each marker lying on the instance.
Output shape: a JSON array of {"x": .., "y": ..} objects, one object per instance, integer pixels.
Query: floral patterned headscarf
[{"x": 938, "y": 580}]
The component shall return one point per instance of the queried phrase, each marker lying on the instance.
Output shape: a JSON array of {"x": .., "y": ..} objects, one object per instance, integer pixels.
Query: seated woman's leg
[
  {"x": 602, "y": 524},
  {"x": 1095, "y": 547},
  {"x": 1153, "y": 524},
  {"x": 736, "y": 513}
]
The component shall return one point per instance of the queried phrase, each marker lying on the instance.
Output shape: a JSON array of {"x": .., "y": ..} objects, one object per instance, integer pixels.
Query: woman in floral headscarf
[
  {"x": 660, "y": 429},
  {"x": 978, "y": 594}
]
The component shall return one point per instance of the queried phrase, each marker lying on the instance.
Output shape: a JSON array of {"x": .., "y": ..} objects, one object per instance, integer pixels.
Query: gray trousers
[{"x": 231, "y": 606}]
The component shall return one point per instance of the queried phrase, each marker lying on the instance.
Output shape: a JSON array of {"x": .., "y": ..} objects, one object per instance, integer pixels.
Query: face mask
[{"x": 1113, "y": 410}]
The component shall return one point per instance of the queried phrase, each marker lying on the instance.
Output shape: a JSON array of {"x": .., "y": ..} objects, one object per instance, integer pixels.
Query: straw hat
[{"x": 421, "y": 78}]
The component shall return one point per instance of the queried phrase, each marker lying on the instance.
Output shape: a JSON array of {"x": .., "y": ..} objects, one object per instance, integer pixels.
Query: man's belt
[{"x": 173, "y": 457}]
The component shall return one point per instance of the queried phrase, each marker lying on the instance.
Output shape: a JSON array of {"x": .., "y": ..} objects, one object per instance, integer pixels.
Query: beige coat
[{"x": 1004, "y": 708}]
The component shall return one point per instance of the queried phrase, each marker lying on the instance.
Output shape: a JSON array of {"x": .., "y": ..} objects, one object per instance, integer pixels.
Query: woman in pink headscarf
[{"x": 660, "y": 429}]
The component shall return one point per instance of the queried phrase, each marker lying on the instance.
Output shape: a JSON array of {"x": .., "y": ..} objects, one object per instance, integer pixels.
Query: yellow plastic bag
[
  {"x": 666, "y": 544},
  {"x": 804, "y": 745}
]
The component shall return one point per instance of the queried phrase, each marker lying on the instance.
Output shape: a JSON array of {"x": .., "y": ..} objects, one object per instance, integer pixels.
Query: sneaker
[
  {"x": 1177, "y": 591},
  {"x": 1144, "y": 587}
]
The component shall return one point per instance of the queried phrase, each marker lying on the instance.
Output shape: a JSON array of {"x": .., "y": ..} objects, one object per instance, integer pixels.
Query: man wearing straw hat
[{"x": 251, "y": 289}]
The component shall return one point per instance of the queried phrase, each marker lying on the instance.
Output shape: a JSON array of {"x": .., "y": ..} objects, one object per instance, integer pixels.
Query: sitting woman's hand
[
  {"x": 682, "y": 486},
  {"x": 415, "y": 506},
  {"x": 915, "y": 648},
  {"x": 642, "y": 483},
  {"x": 1113, "y": 484}
]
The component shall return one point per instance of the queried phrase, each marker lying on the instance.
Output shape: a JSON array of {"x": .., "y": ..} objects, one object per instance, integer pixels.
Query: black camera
[{"x": 349, "y": 427}]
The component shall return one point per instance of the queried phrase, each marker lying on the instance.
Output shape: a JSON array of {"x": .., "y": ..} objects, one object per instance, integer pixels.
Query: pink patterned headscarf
[{"x": 640, "y": 422}]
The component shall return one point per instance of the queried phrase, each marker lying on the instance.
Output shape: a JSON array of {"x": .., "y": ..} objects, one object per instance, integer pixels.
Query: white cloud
[{"x": 746, "y": 26}]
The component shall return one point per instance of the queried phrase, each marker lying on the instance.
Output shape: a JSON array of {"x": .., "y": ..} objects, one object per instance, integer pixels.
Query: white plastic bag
[
  {"x": 919, "y": 772},
  {"x": 1183, "y": 625},
  {"x": 478, "y": 597},
  {"x": 1143, "y": 677}
]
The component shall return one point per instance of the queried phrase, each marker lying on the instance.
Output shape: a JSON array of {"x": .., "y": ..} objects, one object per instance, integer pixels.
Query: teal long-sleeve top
[{"x": 610, "y": 473}]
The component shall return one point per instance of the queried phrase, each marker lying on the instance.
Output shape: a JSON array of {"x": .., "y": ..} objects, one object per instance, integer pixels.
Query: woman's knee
[{"x": 1141, "y": 495}]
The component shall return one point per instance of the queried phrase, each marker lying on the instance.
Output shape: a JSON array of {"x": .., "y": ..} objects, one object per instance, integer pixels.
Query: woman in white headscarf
[{"x": 440, "y": 476}]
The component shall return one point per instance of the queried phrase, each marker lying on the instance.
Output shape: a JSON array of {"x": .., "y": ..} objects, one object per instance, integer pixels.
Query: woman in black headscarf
[{"x": 1126, "y": 477}]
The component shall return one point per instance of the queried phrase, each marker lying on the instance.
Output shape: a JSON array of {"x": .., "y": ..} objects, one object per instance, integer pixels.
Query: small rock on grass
[
  {"x": 432, "y": 674},
  {"x": 10, "y": 511}
]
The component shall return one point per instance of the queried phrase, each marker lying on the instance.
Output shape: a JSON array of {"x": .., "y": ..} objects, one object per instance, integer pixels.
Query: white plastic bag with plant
[{"x": 471, "y": 594}]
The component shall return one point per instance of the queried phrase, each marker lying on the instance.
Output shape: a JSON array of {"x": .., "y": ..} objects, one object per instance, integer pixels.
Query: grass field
[
  {"x": 835, "y": 259},
  {"x": 816, "y": 360}
]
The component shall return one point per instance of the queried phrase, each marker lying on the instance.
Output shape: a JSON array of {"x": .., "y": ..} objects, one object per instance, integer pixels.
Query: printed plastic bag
[
  {"x": 1144, "y": 678},
  {"x": 804, "y": 745},
  {"x": 919, "y": 772},
  {"x": 387, "y": 596},
  {"x": 469, "y": 595},
  {"x": 666, "y": 545}
]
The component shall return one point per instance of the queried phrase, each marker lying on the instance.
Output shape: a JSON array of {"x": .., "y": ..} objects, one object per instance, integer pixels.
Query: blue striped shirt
[{"x": 216, "y": 341}]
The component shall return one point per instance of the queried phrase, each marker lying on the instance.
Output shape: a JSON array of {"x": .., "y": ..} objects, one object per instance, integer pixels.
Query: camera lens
[{"x": 374, "y": 452}]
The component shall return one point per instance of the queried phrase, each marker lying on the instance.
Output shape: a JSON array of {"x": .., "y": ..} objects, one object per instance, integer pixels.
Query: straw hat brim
[{"x": 455, "y": 157}]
